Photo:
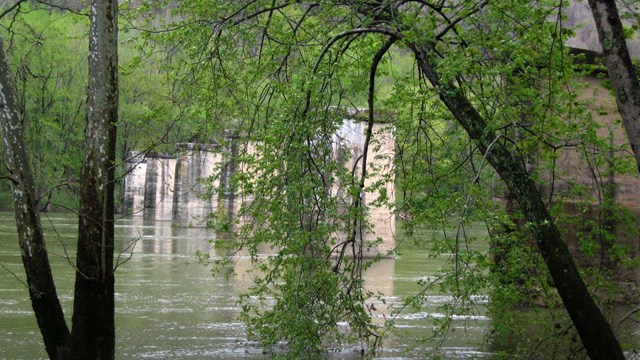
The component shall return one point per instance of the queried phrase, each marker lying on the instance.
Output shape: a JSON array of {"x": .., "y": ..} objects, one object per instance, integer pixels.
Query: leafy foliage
[
  {"x": 49, "y": 74},
  {"x": 280, "y": 73},
  {"x": 47, "y": 51}
]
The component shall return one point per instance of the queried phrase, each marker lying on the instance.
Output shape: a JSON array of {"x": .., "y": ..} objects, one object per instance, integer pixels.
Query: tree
[
  {"x": 44, "y": 298},
  {"x": 93, "y": 332},
  {"x": 51, "y": 77},
  {"x": 299, "y": 61},
  {"x": 595, "y": 332},
  {"x": 622, "y": 73}
]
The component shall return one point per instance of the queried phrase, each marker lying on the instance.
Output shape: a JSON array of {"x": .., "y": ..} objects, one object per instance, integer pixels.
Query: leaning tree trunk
[
  {"x": 42, "y": 290},
  {"x": 595, "y": 332},
  {"x": 622, "y": 74},
  {"x": 93, "y": 331}
]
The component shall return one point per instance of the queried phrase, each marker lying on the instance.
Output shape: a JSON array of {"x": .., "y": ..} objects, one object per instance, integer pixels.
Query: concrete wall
[{"x": 572, "y": 167}]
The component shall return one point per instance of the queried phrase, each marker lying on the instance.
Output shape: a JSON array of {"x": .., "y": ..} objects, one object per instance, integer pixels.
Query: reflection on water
[
  {"x": 159, "y": 237},
  {"x": 170, "y": 306}
]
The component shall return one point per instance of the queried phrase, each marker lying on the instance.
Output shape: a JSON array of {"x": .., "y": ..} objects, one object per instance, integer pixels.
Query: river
[{"x": 169, "y": 306}]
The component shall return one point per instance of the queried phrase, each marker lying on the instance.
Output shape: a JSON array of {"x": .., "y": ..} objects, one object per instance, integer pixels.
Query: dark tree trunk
[
  {"x": 595, "y": 332},
  {"x": 42, "y": 290},
  {"x": 93, "y": 331},
  {"x": 622, "y": 74}
]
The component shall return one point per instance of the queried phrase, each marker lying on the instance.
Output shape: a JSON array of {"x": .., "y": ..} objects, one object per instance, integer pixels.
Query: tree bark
[
  {"x": 42, "y": 290},
  {"x": 595, "y": 332},
  {"x": 93, "y": 331},
  {"x": 622, "y": 74}
]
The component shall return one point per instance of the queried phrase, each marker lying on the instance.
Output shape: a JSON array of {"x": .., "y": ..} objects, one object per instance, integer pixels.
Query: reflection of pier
[
  {"x": 148, "y": 237},
  {"x": 187, "y": 188},
  {"x": 143, "y": 236}
]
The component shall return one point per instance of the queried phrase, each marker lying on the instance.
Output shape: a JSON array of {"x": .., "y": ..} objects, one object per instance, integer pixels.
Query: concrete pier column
[
  {"x": 227, "y": 204},
  {"x": 348, "y": 148},
  {"x": 134, "y": 183},
  {"x": 196, "y": 184},
  {"x": 159, "y": 187}
]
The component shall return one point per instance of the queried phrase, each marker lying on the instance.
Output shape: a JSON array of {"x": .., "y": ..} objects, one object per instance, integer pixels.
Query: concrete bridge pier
[
  {"x": 193, "y": 200},
  {"x": 159, "y": 186}
]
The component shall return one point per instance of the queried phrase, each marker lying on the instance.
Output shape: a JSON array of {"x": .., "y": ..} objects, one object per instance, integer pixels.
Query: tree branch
[
  {"x": 371, "y": 119},
  {"x": 11, "y": 8},
  {"x": 63, "y": 8},
  {"x": 10, "y": 178},
  {"x": 453, "y": 23},
  {"x": 14, "y": 275},
  {"x": 372, "y": 29},
  {"x": 594, "y": 330}
]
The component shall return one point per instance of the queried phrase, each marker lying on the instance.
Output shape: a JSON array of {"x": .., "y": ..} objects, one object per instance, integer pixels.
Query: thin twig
[
  {"x": 14, "y": 275},
  {"x": 63, "y": 8},
  {"x": 628, "y": 315}
]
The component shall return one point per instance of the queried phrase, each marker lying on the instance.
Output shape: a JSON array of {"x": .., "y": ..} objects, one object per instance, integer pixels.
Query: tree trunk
[
  {"x": 42, "y": 290},
  {"x": 93, "y": 331},
  {"x": 622, "y": 74},
  {"x": 595, "y": 332}
]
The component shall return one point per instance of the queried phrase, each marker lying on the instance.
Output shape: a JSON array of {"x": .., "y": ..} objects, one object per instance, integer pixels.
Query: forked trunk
[{"x": 93, "y": 331}]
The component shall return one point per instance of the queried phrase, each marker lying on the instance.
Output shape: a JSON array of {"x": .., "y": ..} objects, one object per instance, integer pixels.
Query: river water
[{"x": 169, "y": 306}]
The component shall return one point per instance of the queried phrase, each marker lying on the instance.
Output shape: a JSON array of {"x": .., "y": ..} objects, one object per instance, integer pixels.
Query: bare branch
[
  {"x": 14, "y": 275},
  {"x": 628, "y": 315},
  {"x": 453, "y": 23},
  {"x": 50, "y": 190},
  {"x": 63, "y": 8},
  {"x": 11, "y": 8},
  {"x": 366, "y": 30}
]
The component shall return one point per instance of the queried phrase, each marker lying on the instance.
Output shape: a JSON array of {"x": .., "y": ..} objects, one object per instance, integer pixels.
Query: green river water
[{"x": 168, "y": 306}]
